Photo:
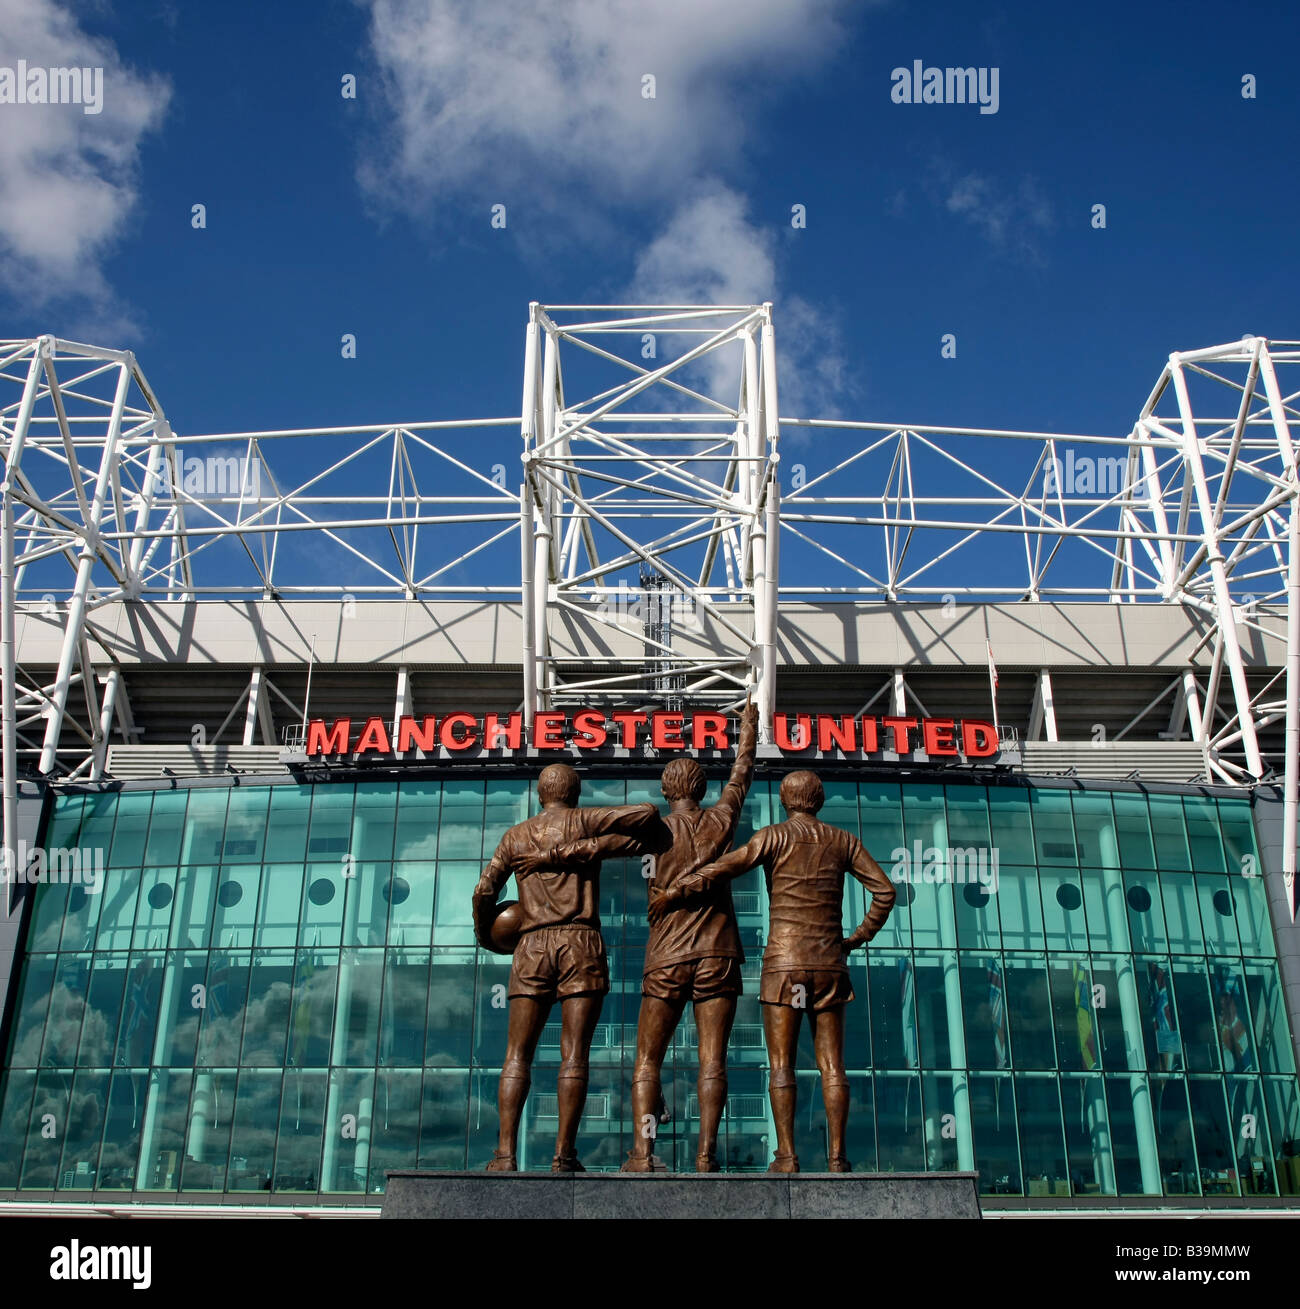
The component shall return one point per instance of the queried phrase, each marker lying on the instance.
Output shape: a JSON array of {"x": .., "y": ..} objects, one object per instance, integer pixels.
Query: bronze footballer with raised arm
[{"x": 804, "y": 966}]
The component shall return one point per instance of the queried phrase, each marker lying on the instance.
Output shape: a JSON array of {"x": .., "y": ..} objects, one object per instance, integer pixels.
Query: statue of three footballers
[{"x": 693, "y": 952}]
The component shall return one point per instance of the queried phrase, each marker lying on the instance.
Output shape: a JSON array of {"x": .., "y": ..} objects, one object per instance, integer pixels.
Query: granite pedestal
[{"x": 680, "y": 1195}]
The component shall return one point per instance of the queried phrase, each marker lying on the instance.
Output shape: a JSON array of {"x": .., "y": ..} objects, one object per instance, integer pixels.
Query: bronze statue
[
  {"x": 560, "y": 952},
  {"x": 693, "y": 953},
  {"x": 804, "y": 966}
]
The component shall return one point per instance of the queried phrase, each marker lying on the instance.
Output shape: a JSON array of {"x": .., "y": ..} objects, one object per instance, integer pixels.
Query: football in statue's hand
[{"x": 504, "y": 932}]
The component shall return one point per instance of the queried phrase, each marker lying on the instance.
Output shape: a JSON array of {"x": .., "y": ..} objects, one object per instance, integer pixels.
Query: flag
[
  {"x": 998, "y": 1015},
  {"x": 1083, "y": 1017},
  {"x": 1163, "y": 1019},
  {"x": 1234, "y": 1035},
  {"x": 993, "y": 680},
  {"x": 907, "y": 1002}
]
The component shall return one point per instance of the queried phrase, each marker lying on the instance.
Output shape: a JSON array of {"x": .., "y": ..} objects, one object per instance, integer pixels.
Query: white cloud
[
  {"x": 512, "y": 94},
  {"x": 1011, "y": 217},
  {"x": 711, "y": 252},
  {"x": 543, "y": 107},
  {"x": 68, "y": 178}
]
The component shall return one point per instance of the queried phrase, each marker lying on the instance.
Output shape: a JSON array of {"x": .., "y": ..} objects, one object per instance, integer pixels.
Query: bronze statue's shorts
[
  {"x": 694, "y": 980},
  {"x": 556, "y": 962},
  {"x": 805, "y": 988}
]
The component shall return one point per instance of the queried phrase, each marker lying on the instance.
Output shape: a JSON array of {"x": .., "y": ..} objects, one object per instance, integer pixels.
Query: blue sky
[{"x": 371, "y": 216}]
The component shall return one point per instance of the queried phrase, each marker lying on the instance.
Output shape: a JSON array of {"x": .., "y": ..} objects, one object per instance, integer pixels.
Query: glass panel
[
  {"x": 207, "y": 1145},
  {"x": 396, "y": 1128},
  {"x": 166, "y": 829},
  {"x": 1133, "y": 830},
  {"x": 135, "y": 1037},
  {"x": 1232, "y": 1015},
  {"x": 1252, "y": 1147},
  {"x": 1173, "y": 1131},
  {"x": 15, "y": 1112},
  {"x": 349, "y": 1121},
  {"x": 1029, "y": 1005},
  {"x": 118, "y": 908},
  {"x": 1218, "y": 914},
  {"x": 1072, "y": 1009},
  {"x": 1251, "y": 901},
  {"x": 938, "y": 1008},
  {"x": 453, "y": 923},
  {"x": 373, "y": 821},
  {"x": 252, "y": 1133},
  {"x": 1132, "y": 1131},
  {"x": 451, "y": 1009},
  {"x": 205, "y": 826},
  {"x": 103, "y": 1010},
  {"x": 1146, "y": 919},
  {"x": 895, "y": 1041},
  {"x": 1202, "y": 818},
  {"x": 302, "y": 1130},
  {"x": 1042, "y": 1146},
  {"x": 1196, "y": 1018},
  {"x": 266, "y": 1022},
  {"x": 279, "y": 902},
  {"x": 246, "y": 825},
  {"x": 1182, "y": 917},
  {"x": 1282, "y": 1096},
  {"x": 67, "y": 1006},
  {"x": 406, "y": 994},
  {"x": 45, "y": 1131},
  {"x": 132, "y": 827},
  {"x": 123, "y": 1119},
  {"x": 79, "y": 1168},
  {"x": 311, "y": 1021},
  {"x": 1241, "y": 854},
  {"x": 287, "y": 820},
  {"x": 221, "y": 1027},
  {"x": 1010, "y": 824},
  {"x": 900, "y": 1122},
  {"x": 1088, "y": 1142},
  {"x": 1215, "y": 1144},
  {"x": 460, "y": 832},
  {"x": 166, "y": 1116},
  {"x": 993, "y": 1110},
  {"x": 234, "y": 910},
  {"x": 33, "y": 1001},
  {"x": 417, "y": 820},
  {"x": 442, "y": 1118},
  {"x": 1272, "y": 1038}
]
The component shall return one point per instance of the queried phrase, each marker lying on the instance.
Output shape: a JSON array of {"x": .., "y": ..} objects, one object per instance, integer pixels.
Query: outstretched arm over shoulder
[{"x": 733, "y": 864}]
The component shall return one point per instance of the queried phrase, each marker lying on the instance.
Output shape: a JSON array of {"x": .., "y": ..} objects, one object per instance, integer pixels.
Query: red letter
[
  {"x": 666, "y": 731},
  {"x": 869, "y": 743},
  {"x": 512, "y": 729},
  {"x": 629, "y": 722},
  {"x": 410, "y": 737},
  {"x": 979, "y": 740},
  {"x": 802, "y": 731},
  {"x": 335, "y": 741},
  {"x": 939, "y": 735},
  {"x": 589, "y": 726},
  {"x": 844, "y": 733},
  {"x": 709, "y": 729},
  {"x": 449, "y": 737},
  {"x": 548, "y": 731},
  {"x": 374, "y": 736},
  {"x": 899, "y": 728}
]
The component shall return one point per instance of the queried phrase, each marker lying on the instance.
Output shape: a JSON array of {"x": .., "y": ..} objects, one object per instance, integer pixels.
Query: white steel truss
[{"x": 655, "y": 460}]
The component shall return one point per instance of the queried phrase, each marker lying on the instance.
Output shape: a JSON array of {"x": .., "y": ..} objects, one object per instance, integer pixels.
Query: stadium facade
[{"x": 271, "y": 698}]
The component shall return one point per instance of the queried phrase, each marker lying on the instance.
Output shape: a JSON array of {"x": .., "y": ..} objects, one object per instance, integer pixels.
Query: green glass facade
[{"x": 277, "y": 989}]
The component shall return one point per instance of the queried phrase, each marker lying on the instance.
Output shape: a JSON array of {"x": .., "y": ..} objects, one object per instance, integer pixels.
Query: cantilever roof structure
[{"x": 650, "y": 443}]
